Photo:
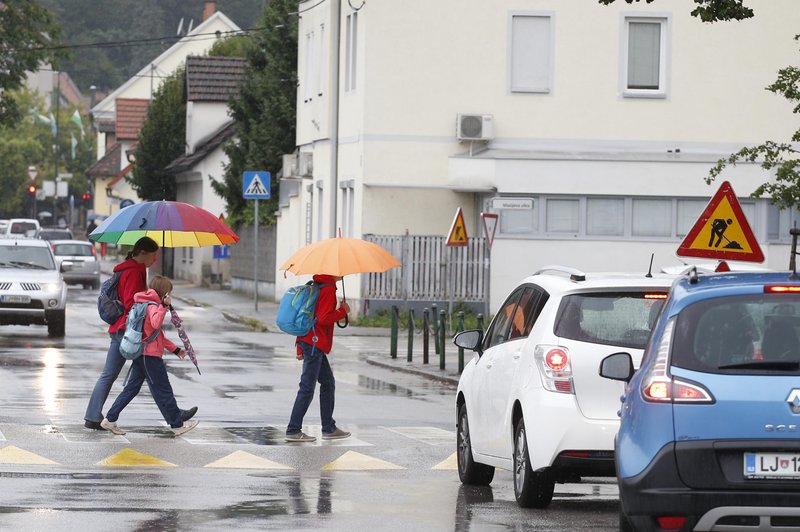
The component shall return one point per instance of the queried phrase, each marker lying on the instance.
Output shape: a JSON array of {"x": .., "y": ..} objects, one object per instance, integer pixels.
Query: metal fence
[{"x": 430, "y": 270}]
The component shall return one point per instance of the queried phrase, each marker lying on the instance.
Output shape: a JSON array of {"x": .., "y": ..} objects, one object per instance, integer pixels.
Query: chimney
[{"x": 209, "y": 8}]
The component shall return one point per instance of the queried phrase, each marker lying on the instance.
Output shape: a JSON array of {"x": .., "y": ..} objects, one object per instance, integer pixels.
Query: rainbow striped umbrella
[{"x": 171, "y": 224}]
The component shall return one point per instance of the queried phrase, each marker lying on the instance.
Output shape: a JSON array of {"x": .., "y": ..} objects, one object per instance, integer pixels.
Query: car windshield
[
  {"x": 80, "y": 250},
  {"x": 750, "y": 334},
  {"x": 26, "y": 257},
  {"x": 54, "y": 234},
  {"x": 619, "y": 319},
  {"x": 22, "y": 228}
]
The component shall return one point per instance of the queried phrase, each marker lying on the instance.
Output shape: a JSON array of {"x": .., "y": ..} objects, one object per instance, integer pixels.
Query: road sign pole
[{"x": 255, "y": 258}]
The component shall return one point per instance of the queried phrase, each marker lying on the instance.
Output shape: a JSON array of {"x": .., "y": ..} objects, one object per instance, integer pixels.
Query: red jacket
[
  {"x": 132, "y": 280},
  {"x": 327, "y": 315}
]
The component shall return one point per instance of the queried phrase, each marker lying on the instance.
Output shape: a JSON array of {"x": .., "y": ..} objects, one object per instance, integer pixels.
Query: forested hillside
[{"x": 113, "y": 39}]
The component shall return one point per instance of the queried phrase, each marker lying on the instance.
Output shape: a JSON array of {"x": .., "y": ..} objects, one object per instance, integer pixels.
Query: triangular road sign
[
  {"x": 458, "y": 231},
  {"x": 722, "y": 231},
  {"x": 256, "y": 187},
  {"x": 489, "y": 227}
]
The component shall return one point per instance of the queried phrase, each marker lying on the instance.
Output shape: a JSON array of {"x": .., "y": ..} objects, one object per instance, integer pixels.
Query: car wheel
[
  {"x": 533, "y": 489},
  {"x": 56, "y": 323},
  {"x": 96, "y": 285},
  {"x": 469, "y": 471}
]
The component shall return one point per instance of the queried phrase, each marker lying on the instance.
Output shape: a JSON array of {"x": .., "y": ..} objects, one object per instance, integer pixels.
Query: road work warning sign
[
  {"x": 458, "y": 231},
  {"x": 722, "y": 231}
]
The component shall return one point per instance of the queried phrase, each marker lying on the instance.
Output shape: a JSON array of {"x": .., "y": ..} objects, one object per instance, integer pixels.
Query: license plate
[
  {"x": 772, "y": 465},
  {"x": 15, "y": 299}
]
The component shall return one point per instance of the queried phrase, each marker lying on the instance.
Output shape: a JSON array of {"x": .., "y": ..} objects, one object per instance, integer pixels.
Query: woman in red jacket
[{"x": 313, "y": 350}]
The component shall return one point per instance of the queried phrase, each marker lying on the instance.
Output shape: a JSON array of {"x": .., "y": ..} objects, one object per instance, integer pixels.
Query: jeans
[
  {"x": 316, "y": 368},
  {"x": 114, "y": 364},
  {"x": 154, "y": 370}
]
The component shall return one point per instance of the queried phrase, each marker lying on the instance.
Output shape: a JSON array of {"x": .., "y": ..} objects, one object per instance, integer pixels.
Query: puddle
[
  {"x": 259, "y": 435},
  {"x": 371, "y": 386},
  {"x": 233, "y": 391}
]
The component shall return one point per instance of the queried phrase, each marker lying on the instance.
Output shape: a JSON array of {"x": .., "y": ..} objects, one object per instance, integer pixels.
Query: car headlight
[{"x": 51, "y": 287}]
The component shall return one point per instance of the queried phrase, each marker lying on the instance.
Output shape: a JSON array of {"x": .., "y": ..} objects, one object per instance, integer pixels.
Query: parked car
[
  {"x": 32, "y": 290},
  {"x": 55, "y": 233},
  {"x": 27, "y": 227},
  {"x": 709, "y": 437},
  {"x": 81, "y": 259},
  {"x": 531, "y": 400},
  {"x": 3, "y": 226}
]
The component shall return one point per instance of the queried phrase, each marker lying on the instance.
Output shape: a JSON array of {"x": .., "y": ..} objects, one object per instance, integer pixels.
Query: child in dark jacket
[{"x": 313, "y": 349}]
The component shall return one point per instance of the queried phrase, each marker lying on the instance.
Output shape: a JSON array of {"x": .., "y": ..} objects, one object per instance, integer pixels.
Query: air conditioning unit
[
  {"x": 290, "y": 165},
  {"x": 305, "y": 164},
  {"x": 474, "y": 127}
]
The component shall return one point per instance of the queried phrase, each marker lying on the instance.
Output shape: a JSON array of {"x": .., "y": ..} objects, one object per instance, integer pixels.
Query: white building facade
[{"x": 594, "y": 126}]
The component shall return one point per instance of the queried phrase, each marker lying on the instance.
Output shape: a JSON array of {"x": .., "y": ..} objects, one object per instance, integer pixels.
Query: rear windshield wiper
[{"x": 780, "y": 365}]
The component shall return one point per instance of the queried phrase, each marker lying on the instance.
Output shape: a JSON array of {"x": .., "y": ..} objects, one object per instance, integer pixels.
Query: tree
[
  {"x": 711, "y": 10},
  {"x": 29, "y": 37},
  {"x": 264, "y": 111},
  {"x": 162, "y": 139},
  {"x": 781, "y": 157}
]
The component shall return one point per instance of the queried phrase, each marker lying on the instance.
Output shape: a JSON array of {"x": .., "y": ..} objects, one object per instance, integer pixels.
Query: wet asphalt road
[{"x": 235, "y": 471}]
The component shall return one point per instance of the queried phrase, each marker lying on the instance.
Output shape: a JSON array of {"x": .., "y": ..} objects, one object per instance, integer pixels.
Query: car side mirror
[
  {"x": 472, "y": 340},
  {"x": 618, "y": 367}
]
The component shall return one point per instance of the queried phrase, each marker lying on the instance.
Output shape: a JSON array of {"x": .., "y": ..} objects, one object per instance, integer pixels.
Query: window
[
  {"x": 531, "y": 53},
  {"x": 499, "y": 331},
  {"x": 645, "y": 57},
  {"x": 309, "y": 85},
  {"x": 605, "y": 217},
  {"x": 351, "y": 52},
  {"x": 518, "y": 221},
  {"x": 348, "y": 207},
  {"x": 651, "y": 217},
  {"x": 563, "y": 216},
  {"x": 779, "y": 222},
  {"x": 323, "y": 61},
  {"x": 688, "y": 213}
]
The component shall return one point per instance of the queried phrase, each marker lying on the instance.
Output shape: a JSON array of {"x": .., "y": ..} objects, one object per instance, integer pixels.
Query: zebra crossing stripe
[
  {"x": 448, "y": 464},
  {"x": 15, "y": 455},
  {"x": 245, "y": 460},
  {"x": 353, "y": 461},
  {"x": 129, "y": 458}
]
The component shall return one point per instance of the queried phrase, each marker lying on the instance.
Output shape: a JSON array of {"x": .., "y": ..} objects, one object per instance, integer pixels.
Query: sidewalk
[{"x": 239, "y": 307}]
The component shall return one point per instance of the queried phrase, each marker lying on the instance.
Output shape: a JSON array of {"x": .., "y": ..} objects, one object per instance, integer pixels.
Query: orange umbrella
[{"x": 339, "y": 257}]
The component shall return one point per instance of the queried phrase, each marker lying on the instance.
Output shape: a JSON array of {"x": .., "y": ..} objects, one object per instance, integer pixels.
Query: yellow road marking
[
  {"x": 353, "y": 461},
  {"x": 15, "y": 455},
  {"x": 448, "y": 464},
  {"x": 245, "y": 460},
  {"x": 129, "y": 458}
]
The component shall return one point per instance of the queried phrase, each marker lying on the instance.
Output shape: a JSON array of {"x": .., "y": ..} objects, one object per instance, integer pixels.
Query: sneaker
[
  {"x": 300, "y": 437},
  {"x": 186, "y": 415},
  {"x": 186, "y": 427},
  {"x": 112, "y": 426},
  {"x": 337, "y": 434},
  {"x": 94, "y": 425}
]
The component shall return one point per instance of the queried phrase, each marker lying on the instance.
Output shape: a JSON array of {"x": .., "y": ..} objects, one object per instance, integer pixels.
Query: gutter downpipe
[{"x": 334, "y": 178}]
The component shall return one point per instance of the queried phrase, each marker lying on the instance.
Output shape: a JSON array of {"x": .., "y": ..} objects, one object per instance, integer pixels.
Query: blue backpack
[
  {"x": 296, "y": 312},
  {"x": 109, "y": 305},
  {"x": 132, "y": 344}
]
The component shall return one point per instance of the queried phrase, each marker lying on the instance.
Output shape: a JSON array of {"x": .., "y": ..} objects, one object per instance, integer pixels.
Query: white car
[
  {"x": 32, "y": 290},
  {"x": 78, "y": 262},
  {"x": 531, "y": 399}
]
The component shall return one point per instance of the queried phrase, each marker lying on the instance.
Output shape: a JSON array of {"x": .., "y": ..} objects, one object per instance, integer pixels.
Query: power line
[{"x": 139, "y": 42}]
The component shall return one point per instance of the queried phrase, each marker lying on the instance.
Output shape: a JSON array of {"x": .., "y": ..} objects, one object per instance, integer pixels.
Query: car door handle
[
  {"x": 516, "y": 355},
  {"x": 489, "y": 365}
]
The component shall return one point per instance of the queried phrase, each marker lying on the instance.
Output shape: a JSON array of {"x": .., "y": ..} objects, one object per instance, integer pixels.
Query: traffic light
[
  {"x": 32, "y": 190},
  {"x": 87, "y": 198}
]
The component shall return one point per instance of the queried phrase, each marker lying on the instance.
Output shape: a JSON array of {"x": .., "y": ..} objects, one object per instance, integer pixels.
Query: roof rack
[{"x": 574, "y": 273}]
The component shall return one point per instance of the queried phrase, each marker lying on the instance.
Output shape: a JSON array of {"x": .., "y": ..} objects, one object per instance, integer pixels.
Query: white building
[{"x": 600, "y": 122}]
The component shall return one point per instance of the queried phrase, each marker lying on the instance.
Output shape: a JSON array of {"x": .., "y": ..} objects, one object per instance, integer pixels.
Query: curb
[{"x": 439, "y": 376}]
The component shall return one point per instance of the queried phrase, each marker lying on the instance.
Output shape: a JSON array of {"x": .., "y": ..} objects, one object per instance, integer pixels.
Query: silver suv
[{"x": 32, "y": 290}]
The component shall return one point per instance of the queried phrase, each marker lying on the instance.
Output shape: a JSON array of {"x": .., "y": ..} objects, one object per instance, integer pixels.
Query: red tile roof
[
  {"x": 213, "y": 79},
  {"x": 131, "y": 113},
  {"x": 108, "y": 165}
]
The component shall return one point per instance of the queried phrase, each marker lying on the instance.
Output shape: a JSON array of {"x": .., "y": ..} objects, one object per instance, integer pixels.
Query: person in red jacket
[
  {"x": 313, "y": 349},
  {"x": 133, "y": 279}
]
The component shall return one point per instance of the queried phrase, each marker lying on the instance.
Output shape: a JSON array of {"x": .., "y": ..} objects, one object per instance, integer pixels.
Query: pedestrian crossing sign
[
  {"x": 722, "y": 232},
  {"x": 255, "y": 185},
  {"x": 458, "y": 231}
]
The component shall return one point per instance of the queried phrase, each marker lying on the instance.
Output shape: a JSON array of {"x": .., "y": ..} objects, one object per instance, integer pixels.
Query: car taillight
[
  {"x": 94, "y": 252},
  {"x": 659, "y": 387},
  {"x": 655, "y": 296},
  {"x": 555, "y": 368},
  {"x": 670, "y": 522}
]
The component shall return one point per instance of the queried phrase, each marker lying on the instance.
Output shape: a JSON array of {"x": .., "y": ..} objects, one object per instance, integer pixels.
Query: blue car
[{"x": 709, "y": 435}]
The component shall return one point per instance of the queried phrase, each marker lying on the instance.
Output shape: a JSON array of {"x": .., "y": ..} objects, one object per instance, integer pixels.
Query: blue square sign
[{"x": 255, "y": 185}]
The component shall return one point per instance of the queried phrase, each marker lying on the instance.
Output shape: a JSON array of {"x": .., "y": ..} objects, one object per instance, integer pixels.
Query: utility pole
[{"x": 56, "y": 150}]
